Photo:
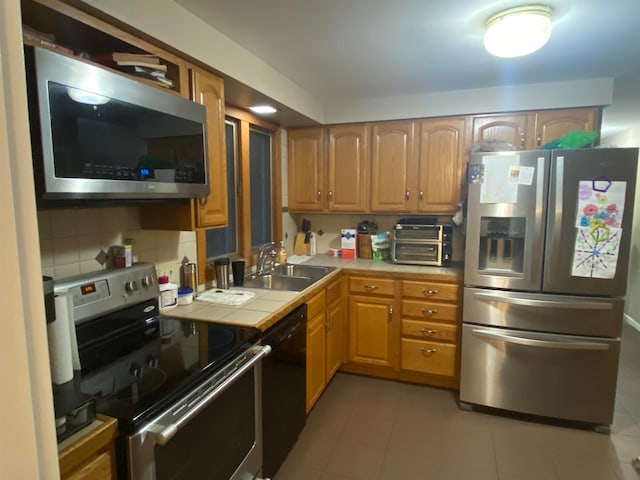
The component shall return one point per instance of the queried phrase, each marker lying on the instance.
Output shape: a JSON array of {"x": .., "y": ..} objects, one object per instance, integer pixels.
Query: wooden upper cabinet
[
  {"x": 532, "y": 130},
  {"x": 510, "y": 128},
  {"x": 200, "y": 213},
  {"x": 441, "y": 164},
  {"x": 306, "y": 170},
  {"x": 554, "y": 124},
  {"x": 393, "y": 167},
  {"x": 208, "y": 90},
  {"x": 348, "y": 159}
]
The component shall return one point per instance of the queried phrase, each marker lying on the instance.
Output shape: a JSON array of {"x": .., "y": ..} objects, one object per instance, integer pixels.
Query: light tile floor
[{"x": 371, "y": 429}]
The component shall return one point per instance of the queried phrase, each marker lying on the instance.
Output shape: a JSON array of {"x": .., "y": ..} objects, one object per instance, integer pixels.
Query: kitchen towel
[
  {"x": 225, "y": 297},
  {"x": 63, "y": 345}
]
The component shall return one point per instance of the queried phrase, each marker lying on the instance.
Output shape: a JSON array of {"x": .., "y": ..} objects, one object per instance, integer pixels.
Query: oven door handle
[
  {"x": 163, "y": 433},
  {"x": 532, "y": 302},
  {"x": 532, "y": 342}
]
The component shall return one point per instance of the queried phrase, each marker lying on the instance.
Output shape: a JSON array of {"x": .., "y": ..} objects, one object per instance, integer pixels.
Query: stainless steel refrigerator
[{"x": 548, "y": 235}]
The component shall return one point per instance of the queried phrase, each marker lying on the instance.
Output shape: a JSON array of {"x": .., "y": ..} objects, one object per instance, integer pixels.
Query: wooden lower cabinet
[
  {"x": 430, "y": 328},
  {"x": 405, "y": 329},
  {"x": 335, "y": 325},
  {"x": 316, "y": 348},
  {"x": 370, "y": 331},
  {"x": 325, "y": 335},
  {"x": 372, "y": 322},
  {"x": 93, "y": 456}
]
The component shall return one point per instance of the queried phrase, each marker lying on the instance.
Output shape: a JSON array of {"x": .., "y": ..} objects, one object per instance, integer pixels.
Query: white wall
[
  {"x": 622, "y": 120},
  {"x": 27, "y": 432}
]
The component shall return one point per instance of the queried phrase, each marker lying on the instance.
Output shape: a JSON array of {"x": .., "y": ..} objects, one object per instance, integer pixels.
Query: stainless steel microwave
[
  {"x": 421, "y": 244},
  {"x": 99, "y": 135}
]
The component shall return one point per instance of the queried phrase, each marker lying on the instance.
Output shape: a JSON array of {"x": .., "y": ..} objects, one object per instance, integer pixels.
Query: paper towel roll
[{"x": 59, "y": 336}]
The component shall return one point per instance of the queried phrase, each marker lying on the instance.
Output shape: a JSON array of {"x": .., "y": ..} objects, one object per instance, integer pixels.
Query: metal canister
[{"x": 189, "y": 275}]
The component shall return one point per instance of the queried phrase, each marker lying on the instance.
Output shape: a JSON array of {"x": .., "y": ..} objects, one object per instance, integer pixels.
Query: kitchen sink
[
  {"x": 278, "y": 282},
  {"x": 288, "y": 277},
  {"x": 314, "y": 272}
]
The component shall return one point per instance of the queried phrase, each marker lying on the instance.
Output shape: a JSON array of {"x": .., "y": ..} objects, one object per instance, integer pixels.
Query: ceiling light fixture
[
  {"x": 263, "y": 109},
  {"x": 518, "y": 31}
]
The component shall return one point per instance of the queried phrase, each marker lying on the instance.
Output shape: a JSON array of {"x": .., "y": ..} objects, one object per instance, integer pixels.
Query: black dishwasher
[{"x": 283, "y": 388}]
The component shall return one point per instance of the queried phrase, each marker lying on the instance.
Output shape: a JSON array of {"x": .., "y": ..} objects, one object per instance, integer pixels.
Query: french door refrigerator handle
[
  {"x": 531, "y": 302},
  {"x": 555, "y": 228},
  {"x": 530, "y": 342},
  {"x": 163, "y": 433}
]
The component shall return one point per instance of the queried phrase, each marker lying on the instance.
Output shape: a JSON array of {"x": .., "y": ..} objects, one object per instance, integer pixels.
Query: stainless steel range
[{"x": 187, "y": 394}]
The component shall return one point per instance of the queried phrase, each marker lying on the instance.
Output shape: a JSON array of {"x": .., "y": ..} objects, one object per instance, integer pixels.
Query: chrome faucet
[{"x": 267, "y": 253}]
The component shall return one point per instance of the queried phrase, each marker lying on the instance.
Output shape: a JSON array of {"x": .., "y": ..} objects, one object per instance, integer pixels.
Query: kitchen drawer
[
  {"x": 444, "y": 332},
  {"x": 432, "y": 290},
  {"x": 316, "y": 305},
  {"x": 334, "y": 291},
  {"x": 428, "y": 357},
  {"x": 430, "y": 310},
  {"x": 372, "y": 286}
]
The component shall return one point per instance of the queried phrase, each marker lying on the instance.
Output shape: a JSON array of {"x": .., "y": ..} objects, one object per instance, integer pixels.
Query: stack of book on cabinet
[{"x": 139, "y": 64}]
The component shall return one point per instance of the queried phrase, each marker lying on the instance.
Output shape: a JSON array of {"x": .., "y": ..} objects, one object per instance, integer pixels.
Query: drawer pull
[
  {"x": 371, "y": 287},
  {"x": 429, "y": 292},
  {"x": 390, "y": 312},
  {"x": 429, "y": 311},
  {"x": 428, "y": 350},
  {"x": 428, "y": 331}
]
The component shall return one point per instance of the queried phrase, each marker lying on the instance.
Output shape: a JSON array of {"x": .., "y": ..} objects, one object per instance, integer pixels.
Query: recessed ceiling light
[
  {"x": 263, "y": 109},
  {"x": 518, "y": 31}
]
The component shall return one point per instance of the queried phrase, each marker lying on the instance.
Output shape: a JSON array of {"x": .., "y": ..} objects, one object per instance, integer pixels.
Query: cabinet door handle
[
  {"x": 390, "y": 312},
  {"x": 331, "y": 195},
  {"x": 428, "y": 350},
  {"x": 421, "y": 194},
  {"x": 522, "y": 139},
  {"x": 319, "y": 194},
  {"x": 407, "y": 194},
  {"x": 428, "y": 331},
  {"x": 371, "y": 287},
  {"x": 430, "y": 292},
  {"x": 429, "y": 311},
  {"x": 539, "y": 139}
]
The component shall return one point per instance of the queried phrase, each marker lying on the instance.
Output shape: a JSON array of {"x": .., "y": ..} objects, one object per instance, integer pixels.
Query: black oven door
[{"x": 214, "y": 432}]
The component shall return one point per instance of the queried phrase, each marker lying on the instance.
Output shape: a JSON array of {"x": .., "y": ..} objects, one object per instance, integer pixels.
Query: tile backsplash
[
  {"x": 331, "y": 225},
  {"x": 71, "y": 241}
]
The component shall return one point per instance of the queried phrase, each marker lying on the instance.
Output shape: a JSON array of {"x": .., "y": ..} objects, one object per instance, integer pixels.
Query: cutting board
[{"x": 299, "y": 247}]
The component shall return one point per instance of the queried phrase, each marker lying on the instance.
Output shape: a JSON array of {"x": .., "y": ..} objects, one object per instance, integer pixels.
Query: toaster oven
[{"x": 421, "y": 243}]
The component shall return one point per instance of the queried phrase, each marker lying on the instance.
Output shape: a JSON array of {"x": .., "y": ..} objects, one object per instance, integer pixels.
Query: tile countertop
[{"x": 268, "y": 306}]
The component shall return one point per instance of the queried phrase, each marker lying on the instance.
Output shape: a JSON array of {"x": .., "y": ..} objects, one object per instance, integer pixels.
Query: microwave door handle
[
  {"x": 163, "y": 433},
  {"x": 532, "y": 342},
  {"x": 531, "y": 302}
]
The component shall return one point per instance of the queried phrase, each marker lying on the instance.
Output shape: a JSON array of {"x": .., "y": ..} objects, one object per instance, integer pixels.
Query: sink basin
[
  {"x": 312, "y": 271},
  {"x": 289, "y": 277},
  {"x": 278, "y": 282}
]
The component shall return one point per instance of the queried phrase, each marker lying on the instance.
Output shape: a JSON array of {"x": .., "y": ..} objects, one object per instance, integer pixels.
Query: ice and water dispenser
[{"x": 502, "y": 244}]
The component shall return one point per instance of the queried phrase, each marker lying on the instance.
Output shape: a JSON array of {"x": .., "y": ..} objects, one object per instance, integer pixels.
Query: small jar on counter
[{"x": 168, "y": 293}]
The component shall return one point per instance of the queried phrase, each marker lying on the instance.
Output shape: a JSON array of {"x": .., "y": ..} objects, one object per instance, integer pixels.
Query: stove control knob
[
  {"x": 136, "y": 370},
  {"x": 131, "y": 286},
  {"x": 147, "y": 281}
]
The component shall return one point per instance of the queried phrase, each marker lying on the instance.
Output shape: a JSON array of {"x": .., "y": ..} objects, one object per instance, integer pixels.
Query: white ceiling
[{"x": 366, "y": 49}]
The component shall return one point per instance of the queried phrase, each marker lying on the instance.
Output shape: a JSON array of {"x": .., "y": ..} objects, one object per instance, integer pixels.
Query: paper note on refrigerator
[
  {"x": 598, "y": 220},
  {"x": 500, "y": 179},
  {"x": 596, "y": 252},
  {"x": 600, "y": 202}
]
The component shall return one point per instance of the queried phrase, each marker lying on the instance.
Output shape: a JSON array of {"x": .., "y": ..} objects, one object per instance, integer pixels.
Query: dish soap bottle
[{"x": 282, "y": 254}]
